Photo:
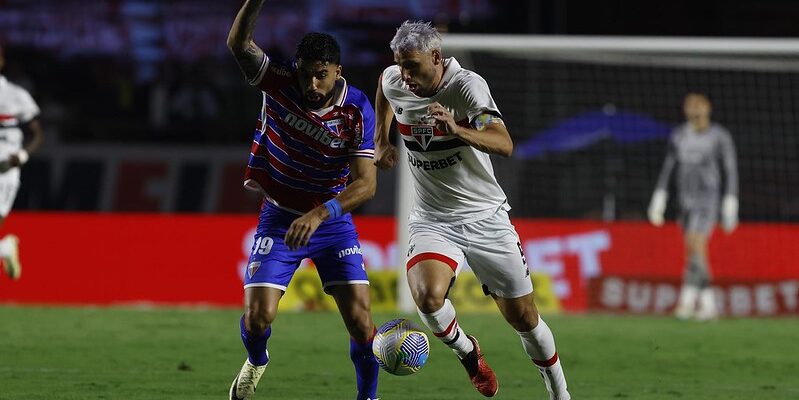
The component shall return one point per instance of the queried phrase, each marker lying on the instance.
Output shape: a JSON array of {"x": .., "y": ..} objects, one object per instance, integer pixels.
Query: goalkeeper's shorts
[{"x": 700, "y": 220}]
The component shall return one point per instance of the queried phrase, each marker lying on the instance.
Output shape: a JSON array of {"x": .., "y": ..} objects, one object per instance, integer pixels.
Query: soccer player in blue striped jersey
[{"x": 312, "y": 159}]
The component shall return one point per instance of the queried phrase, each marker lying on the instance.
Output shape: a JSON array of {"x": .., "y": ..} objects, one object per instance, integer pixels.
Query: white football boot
[
  {"x": 707, "y": 306},
  {"x": 687, "y": 302},
  {"x": 243, "y": 387}
]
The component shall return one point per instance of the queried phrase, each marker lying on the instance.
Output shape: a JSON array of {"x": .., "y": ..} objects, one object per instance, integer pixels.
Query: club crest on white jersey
[{"x": 423, "y": 134}]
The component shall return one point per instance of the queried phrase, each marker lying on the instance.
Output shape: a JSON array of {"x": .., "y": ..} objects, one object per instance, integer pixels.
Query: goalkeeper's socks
[
  {"x": 445, "y": 326},
  {"x": 366, "y": 367},
  {"x": 539, "y": 344},
  {"x": 255, "y": 345}
]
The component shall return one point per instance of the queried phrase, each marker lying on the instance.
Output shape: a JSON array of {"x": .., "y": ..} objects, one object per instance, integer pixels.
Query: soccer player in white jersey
[
  {"x": 701, "y": 150},
  {"x": 18, "y": 118},
  {"x": 450, "y": 124}
]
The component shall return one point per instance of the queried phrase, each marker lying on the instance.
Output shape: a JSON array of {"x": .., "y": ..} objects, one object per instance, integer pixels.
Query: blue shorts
[{"x": 334, "y": 248}]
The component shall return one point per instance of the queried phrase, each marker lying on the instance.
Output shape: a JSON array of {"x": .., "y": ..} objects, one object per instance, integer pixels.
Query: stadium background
[
  {"x": 136, "y": 197},
  {"x": 134, "y": 226}
]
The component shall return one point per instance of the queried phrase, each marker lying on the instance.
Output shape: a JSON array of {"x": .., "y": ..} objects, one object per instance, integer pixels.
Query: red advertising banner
[
  {"x": 658, "y": 296},
  {"x": 88, "y": 258},
  {"x": 573, "y": 253},
  {"x": 92, "y": 258}
]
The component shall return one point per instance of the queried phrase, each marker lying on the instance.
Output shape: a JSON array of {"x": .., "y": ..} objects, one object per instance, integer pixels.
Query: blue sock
[
  {"x": 366, "y": 368},
  {"x": 255, "y": 345}
]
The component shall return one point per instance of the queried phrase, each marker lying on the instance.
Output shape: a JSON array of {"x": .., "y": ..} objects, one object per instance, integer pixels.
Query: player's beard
[{"x": 316, "y": 100}]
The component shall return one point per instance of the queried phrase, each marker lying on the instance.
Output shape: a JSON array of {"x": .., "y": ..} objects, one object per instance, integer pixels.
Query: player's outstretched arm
[
  {"x": 248, "y": 55},
  {"x": 385, "y": 152},
  {"x": 361, "y": 189}
]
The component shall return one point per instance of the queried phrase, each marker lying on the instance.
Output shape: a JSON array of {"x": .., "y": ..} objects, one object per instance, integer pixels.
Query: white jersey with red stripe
[
  {"x": 453, "y": 181},
  {"x": 17, "y": 108}
]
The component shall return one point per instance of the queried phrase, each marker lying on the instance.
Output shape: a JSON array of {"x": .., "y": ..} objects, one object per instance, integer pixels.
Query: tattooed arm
[{"x": 248, "y": 55}]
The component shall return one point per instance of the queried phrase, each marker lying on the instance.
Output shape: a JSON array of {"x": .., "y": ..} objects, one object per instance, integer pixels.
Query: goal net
[{"x": 590, "y": 118}]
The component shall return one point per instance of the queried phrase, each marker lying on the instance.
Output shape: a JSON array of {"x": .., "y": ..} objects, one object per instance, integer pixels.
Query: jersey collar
[
  {"x": 451, "y": 67},
  {"x": 339, "y": 95}
]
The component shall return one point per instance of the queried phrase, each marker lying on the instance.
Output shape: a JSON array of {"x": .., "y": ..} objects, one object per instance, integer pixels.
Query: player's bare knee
[
  {"x": 429, "y": 302},
  {"x": 359, "y": 324},
  {"x": 429, "y": 297},
  {"x": 258, "y": 319}
]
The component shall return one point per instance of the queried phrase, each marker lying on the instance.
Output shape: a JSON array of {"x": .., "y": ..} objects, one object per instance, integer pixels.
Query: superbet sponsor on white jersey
[
  {"x": 16, "y": 108},
  {"x": 454, "y": 182}
]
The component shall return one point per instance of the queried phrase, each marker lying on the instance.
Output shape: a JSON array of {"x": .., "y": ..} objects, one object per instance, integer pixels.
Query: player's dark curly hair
[{"x": 317, "y": 46}]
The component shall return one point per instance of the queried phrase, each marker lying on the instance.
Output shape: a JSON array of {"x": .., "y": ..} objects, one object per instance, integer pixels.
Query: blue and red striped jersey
[{"x": 300, "y": 158}]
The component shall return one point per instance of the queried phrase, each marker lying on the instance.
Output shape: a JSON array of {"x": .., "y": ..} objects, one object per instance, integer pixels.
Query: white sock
[
  {"x": 445, "y": 326},
  {"x": 707, "y": 303},
  {"x": 687, "y": 300},
  {"x": 539, "y": 344},
  {"x": 6, "y": 247}
]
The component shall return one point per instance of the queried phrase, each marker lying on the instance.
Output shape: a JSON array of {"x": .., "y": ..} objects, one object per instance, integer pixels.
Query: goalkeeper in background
[{"x": 701, "y": 150}]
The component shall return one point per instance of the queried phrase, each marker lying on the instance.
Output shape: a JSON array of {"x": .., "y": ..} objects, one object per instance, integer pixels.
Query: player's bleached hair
[{"x": 416, "y": 36}]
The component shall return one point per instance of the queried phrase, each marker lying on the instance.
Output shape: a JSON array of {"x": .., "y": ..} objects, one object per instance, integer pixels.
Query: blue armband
[{"x": 334, "y": 208}]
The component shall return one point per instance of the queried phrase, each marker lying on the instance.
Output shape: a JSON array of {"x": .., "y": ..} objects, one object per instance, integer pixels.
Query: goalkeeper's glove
[
  {"x": 657, "y": 207},
  {"x": 729, "y": 212}
]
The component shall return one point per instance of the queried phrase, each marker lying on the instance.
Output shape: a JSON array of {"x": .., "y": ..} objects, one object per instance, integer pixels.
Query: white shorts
[
  {"x": 490, "y": 246},
  {"x": 9, "y": 184}
]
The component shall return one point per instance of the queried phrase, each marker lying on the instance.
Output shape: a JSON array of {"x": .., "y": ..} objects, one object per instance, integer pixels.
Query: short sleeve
[
  {"x": 477, "y": 97},
  {"x": 273, "y": 74},
  {"x": 367, "y": 144},
  {"x": 28, "y": 109}
]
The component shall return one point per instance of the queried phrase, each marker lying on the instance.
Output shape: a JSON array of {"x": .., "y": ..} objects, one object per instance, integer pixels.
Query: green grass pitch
[{"x": 131, "y": 354}]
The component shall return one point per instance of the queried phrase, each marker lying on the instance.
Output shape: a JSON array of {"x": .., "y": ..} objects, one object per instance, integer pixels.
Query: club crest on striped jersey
[
  {"x": 423, "y": 134},
  {"x": 335, "y": 125}
]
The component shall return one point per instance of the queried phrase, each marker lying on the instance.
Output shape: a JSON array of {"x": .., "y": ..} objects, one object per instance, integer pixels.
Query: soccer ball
[{"x": 400, "y": 346}]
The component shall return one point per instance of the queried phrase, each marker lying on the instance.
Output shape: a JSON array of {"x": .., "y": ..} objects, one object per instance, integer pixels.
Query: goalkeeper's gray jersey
[{"x": 699, "y": 158}]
